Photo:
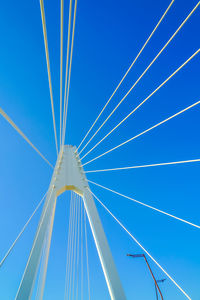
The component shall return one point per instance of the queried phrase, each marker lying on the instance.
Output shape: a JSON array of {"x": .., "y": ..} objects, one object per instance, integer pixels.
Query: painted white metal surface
[{"x": 69, "y": 175}]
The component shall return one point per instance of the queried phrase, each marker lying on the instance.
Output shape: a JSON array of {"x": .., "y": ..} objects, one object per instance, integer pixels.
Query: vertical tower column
[
  {"x": 109, "y": 269},
  {"x": 27, "y": 283}
]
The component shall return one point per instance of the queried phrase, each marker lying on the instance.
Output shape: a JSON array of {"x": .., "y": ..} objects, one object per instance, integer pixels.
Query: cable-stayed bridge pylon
[{"x": 68, "y": 174}]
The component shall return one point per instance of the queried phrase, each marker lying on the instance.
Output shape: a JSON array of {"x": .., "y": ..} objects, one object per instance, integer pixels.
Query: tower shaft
[{"x": 69, "y": 175}]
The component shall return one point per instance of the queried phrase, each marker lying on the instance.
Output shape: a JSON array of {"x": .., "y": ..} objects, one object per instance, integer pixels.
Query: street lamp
[
  {"x": 158, "y": 281},
  {"x": 155, "y": 281}
]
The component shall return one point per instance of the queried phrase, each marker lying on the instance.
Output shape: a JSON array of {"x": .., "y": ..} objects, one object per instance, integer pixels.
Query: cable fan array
[{"x": 77, "y": 245}]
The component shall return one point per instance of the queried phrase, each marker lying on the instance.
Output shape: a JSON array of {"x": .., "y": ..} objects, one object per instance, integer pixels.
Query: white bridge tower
[{"x": 69, "y": 175}]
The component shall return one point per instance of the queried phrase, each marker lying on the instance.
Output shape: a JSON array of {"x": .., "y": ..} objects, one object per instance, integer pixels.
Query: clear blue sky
[{"x": 108, "y": 36}]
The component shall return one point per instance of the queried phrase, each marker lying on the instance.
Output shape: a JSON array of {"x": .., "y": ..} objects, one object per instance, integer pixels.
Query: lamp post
[
  {"x": 158, "y": 281},
  {"x": 155, "y": 281}
]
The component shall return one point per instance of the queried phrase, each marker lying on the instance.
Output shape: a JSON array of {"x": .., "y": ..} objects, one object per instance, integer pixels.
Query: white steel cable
[
  {"x": 67, "y": 63},
  {"x": 69, "y": 75},
  {"x": 8, "y": 119},
  {"x": 134, "y": 61},
  {"x": 81, "y": 293},
  {"x": 61, "y": 63},
  {"x": 74, "y": 250},
  {"x": 149, "y": 96},
  {"x": 21, "y": 232},
  {"x": 69, "y": 266},
  {"x": 78, "y": 248},
  {"x": 156, "y": 57},
  {"x": 72, "y": 247},
  {"x": 87, "y": 260},
  {"x": 146, "y": 205},
  {"x": 48, "y": 69},
  {"x": 139, "y": 244},
  {"x": 75, "y": 294},
  {"x": 69, "y": 250},
  {"x": 68, "y": 245},
  {"x": 143, "y": 132},
  {"x": 146, "y": 166}
]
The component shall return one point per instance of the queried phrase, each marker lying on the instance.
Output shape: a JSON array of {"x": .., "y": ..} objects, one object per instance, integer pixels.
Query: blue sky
[{"x": 109, "y": 34}]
